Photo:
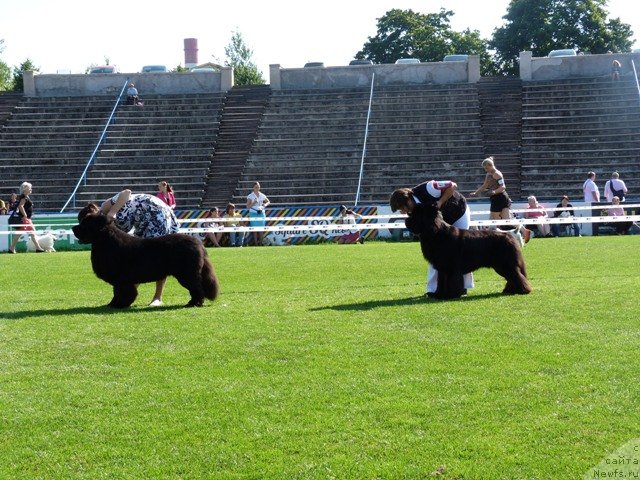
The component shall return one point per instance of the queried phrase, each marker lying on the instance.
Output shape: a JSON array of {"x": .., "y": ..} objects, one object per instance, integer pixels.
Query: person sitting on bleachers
[{"x": 132, "y": 95}]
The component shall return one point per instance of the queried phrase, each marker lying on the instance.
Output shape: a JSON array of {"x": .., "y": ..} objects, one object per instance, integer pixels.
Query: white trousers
[{"x": 432, "y": 274}]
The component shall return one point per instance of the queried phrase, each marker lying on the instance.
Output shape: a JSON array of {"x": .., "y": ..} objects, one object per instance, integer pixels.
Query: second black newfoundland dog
[
  {"x": 454, "y": 252},
  {"x": 124, "y": 261}
]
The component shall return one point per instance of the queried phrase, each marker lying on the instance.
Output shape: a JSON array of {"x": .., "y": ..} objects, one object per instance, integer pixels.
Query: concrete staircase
[
  {"x": 47, "y": 142},
  {"x": 170, "y": 138},
  {"x": 573, "y": 126},
  {"x": 501, "y": 124},
  {"x": 241, "y": 116},
  {"x": 8, "y": 102},
  {"x": 309, "y": 145}
]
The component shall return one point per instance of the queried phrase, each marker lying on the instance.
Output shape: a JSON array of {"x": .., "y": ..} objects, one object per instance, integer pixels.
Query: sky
[{"x": 67, "y": 36}]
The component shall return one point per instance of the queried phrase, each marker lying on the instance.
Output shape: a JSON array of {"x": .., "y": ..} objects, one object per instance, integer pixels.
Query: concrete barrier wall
[
  {"x": 110, "y": 84},
  {"x": 356, "y": 76},
  {"x": 557, "y": 68}
]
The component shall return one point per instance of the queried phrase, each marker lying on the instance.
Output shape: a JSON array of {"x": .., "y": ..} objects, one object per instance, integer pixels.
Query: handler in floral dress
[{"x": 146, "y": 215}]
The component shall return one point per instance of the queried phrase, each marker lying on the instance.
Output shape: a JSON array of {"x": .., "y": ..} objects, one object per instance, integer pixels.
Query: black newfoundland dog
[
  {"x": 124, "y": 261},
  {"x": 454, "y": 252}
]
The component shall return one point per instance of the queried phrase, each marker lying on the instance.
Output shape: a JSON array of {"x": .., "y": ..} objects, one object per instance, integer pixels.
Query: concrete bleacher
[
  {"x": 501, "y": 124},
  {"x": 305, "y": 146},
  {"x": 309, "y": 145},
  {"x": 8, "y": 102},
  {"x": 47, "y": 142},
  {"x": 170, "y": 138},
  {"x": 241, "y": 116},
  {"x": 573, "y": 126}
]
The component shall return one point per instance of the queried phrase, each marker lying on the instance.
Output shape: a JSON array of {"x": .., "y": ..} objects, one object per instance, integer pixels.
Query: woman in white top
[{"x": 256, "y": 203}]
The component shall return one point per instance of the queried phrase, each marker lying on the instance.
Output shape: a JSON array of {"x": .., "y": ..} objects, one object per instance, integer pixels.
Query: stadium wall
[
  {"x": 53, "y": 85},
  {"x": 358, "y": 76},
  {"x": 558, "y": 68}
]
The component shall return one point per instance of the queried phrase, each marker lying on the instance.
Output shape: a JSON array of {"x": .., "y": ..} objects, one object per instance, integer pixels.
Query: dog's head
[
  {"x": 422, "y": 217},
  {"x": 89, "y": 228},
  {"x": 90, "y": 209}
]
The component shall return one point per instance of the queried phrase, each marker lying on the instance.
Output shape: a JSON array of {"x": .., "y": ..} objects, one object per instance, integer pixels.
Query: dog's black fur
[
  {"x": 454, "y": 252},
  {"x": 124, "y": 261}
]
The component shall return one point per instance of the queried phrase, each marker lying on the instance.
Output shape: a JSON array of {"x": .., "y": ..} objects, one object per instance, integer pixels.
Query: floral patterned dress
[{"x": 146, "y": 215}]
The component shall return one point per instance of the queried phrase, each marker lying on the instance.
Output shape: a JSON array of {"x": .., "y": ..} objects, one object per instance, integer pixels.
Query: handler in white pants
[
  {"x": 432, "y": 274},
  {"x": 450, "y": 202}
]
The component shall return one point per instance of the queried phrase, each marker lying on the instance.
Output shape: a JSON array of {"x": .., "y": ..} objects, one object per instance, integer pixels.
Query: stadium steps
[
  {"x": 240, "y": 119},
  {"x": 8, "y": 103},
  {"x": 310, "y": 142},
  {"x": 501, "y": 125},
  {"x": 170, "y": 138},
  {"x": 573, "y": 126},
  {"x": 52, "y": 162}
]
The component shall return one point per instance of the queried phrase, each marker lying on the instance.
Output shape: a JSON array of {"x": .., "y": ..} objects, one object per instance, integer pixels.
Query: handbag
[
  {"x": 15, "y": 218},
  {"x": 616, "y": 193}
]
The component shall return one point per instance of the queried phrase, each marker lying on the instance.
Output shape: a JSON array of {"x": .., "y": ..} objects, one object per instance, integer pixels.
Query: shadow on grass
[
  {"x": 101, "y": 310},
  {"x": 398, "y": 302}
]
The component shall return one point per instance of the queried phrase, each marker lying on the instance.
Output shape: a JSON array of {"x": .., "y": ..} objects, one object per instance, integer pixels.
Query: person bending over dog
[
  {"x": 454, "y": 252},
  {"x": 449, "y": 201},
  {"x": 146, "y": 215},
  {"x": 124, "y": 261}
]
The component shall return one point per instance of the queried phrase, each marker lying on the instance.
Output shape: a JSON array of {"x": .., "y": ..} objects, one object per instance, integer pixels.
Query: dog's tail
[{"x": 210, "y": 285}]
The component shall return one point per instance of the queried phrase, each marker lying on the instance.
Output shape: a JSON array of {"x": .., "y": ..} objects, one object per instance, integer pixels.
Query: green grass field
[{"x": 321, "y": 362}]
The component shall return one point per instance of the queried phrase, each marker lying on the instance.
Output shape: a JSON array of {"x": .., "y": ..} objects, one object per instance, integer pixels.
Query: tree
[
  {"x": 540, "y": 26},
  {"x": 18, "y": 83},
  {"x": 5, "y": 72},
  {"x": 180, "y": 69},
  {"x": 245, "y": 71},
  {"x": 428, "y": 37}
]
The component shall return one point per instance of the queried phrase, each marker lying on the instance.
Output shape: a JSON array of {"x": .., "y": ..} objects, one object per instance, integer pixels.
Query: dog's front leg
[{"x": 123, "y": 295}]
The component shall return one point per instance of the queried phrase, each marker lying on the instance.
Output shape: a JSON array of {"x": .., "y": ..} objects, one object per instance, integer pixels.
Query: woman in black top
[
  {"x": 21, "y": 217},
  {"x": 565, "y": 212}
]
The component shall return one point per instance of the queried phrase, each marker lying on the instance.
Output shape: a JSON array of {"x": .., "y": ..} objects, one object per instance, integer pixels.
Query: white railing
[
  {"x": 83, "y": 177},
  {"x": 635, "y": 73},
  {"x": 364, "y": 145}
]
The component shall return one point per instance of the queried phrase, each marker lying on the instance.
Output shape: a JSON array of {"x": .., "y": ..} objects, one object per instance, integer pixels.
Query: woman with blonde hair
[
  {"x": 500, "y": 202},
  {"x": 20, "y": 218}
]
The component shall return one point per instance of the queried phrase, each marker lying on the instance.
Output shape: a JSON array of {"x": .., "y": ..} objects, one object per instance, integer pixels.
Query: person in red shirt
[{"x": 165, "y": 194}]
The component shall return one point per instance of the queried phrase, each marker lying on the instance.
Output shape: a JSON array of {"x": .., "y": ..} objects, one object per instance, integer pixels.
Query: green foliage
[
  {"x": 322, "y": 362},
  {"x": 5, "y": 72},
  {"x": 540, "y": 26},
  {"x": 239, "y": 56},
  {"x": 180, "y": 69},
  {"x": 428, "y": 37},
  {"x": 6, "y": 82},
  {"x": 27, "y": 65}
]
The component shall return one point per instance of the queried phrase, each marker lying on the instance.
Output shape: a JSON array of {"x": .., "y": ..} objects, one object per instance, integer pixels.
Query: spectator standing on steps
[
  {"x": 590, "y": 189},
  {"x": 616, "y": 67},
  {"x": 615, "y": 187}
]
